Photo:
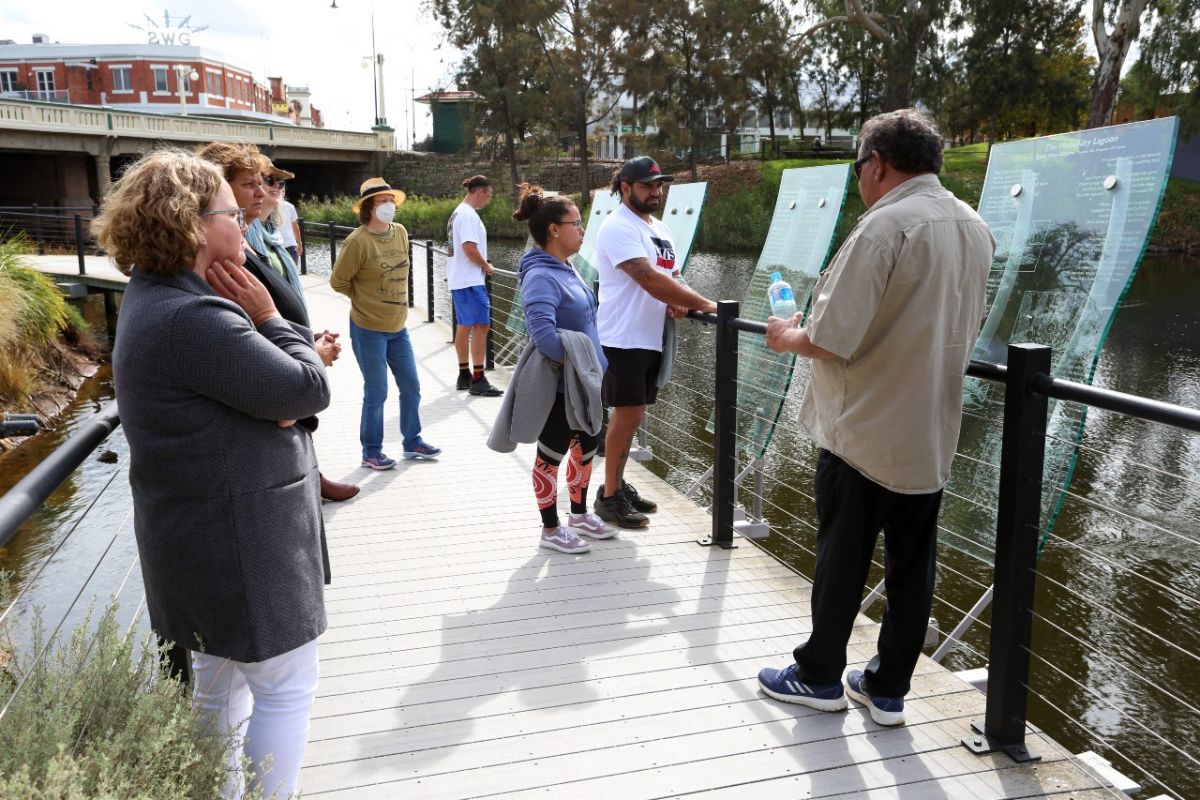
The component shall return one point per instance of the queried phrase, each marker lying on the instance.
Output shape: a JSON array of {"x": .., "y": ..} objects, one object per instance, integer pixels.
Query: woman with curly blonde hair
[{"x": 210, "y": 380}]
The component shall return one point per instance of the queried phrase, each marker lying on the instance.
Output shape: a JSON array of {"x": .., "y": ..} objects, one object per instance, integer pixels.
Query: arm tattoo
[{"x": 637, "y": 268}]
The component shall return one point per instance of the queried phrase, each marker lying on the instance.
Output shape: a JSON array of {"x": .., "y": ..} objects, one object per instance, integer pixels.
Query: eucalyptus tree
[
  {"x": 683, "y": 63},
  {"x": 903, "y": 33},
  {"x": 1024, "y": 66},
  {"x": 1115, "y": 27},
  {"x": 1166, "y": 75},
  {"x": 577, "y": 38},
  {"x": 826, "y": 82},
  {"x": 503, "y": 62}
]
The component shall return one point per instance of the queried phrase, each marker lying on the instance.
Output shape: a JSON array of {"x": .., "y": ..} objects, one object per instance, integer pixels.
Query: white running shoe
[
  {"x": 564, "y": 540},
  {"x": 591, "y": 526}
]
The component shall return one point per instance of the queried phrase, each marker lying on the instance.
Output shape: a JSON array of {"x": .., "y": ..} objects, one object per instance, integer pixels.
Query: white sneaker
[
  {"x": 591, "y": 526},
  {"x": 564, "y": 540}
]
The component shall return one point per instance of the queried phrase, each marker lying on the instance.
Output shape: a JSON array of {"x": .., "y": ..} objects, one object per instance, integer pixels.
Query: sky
[{"x": 304, "y": 41}]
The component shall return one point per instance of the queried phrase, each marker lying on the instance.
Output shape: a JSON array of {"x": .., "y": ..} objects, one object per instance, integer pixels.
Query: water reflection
[{"x": 79, "y": 546}]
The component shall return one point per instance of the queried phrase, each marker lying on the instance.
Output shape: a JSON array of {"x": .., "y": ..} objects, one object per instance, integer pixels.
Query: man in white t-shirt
[
  {"x": 466, "y": 267},
  {"x": 639, "y": 286}
]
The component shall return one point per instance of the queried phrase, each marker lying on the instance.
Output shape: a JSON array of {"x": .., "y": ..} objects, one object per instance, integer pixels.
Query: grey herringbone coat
[{"x": 227, "y": 507}]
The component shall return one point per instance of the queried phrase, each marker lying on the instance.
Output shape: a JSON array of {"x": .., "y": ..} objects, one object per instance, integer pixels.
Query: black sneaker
[
  {"x": 616, "y": 510},
  {"x": 636, "y": 500},
  {"x": 464, "y": 381},
  {"x": 481, "y": 388}
]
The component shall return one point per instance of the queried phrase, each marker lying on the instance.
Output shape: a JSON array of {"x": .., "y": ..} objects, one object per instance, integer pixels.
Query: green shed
[{"x": 450, "y": 110}]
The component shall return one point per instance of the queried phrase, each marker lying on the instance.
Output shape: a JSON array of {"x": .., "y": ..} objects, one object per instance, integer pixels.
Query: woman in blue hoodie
[{"x": 555, "y": 298}]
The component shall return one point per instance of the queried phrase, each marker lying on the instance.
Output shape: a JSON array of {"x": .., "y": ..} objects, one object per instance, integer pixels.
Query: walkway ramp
[{"x": 463, "y": 661}]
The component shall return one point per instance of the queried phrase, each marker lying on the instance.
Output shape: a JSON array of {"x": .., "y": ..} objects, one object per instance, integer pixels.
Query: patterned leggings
[{"x": 554, "y": 443}]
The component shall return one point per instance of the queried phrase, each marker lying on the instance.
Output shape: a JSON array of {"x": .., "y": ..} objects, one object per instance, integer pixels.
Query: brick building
[{"x": 167, "y": 79}]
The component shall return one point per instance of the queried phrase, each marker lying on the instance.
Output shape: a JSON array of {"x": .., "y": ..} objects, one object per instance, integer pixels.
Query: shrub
[
  {"x": 97, "y": 718},
  {"x": 41, "y": 310}
]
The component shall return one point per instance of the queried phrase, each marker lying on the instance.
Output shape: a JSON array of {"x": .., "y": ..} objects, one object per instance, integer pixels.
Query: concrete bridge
[{"x": 54, "y": 154}]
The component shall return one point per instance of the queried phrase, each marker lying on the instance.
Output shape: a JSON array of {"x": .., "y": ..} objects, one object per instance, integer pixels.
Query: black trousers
[{"x": 851, "y": 511}]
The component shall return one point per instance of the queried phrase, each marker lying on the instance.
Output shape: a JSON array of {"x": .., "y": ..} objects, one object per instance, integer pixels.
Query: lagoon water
[{"x": 1121, "y": 574}]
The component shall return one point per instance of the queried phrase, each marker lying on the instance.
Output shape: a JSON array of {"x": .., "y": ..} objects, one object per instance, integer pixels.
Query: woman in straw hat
[{"x": 372, "y": 269}]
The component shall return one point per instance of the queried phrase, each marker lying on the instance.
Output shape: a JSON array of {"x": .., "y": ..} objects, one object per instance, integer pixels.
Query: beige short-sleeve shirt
[{"x": 900, "y": 305}]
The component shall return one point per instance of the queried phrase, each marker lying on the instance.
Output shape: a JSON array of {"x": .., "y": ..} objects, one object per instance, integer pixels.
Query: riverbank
[
  {"x": 741, "y": 199},
  {"x": 47, "y": 349}
]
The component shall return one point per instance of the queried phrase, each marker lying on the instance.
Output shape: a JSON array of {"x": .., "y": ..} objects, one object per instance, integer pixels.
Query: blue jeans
[{"x": 376, "y": 353}]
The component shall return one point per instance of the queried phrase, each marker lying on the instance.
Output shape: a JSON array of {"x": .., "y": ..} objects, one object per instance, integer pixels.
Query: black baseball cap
[{"x": 643, "y": 169}]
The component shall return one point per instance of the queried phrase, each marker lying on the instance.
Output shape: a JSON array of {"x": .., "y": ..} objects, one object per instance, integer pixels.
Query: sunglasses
[
  {"x": 237, "y": 213},
  {"x": 858, "y": 165},
  {"x": 271, "y": 180}
]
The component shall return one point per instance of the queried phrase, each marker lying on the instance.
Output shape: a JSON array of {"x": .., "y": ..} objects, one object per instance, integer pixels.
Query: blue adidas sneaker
[
  {"x": 884, "y": 710},
  {"x": 784, "y": 684}
]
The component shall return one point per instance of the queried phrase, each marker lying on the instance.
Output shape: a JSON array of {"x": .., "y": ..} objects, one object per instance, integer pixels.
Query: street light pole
[
  {"x": 375, "y": 64},
  {"x": 181, "y": 72}
]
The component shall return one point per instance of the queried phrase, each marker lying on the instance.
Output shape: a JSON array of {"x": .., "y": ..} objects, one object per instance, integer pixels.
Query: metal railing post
[
  {"x": 429, "y": 280},
  {"x": 304, "y": 249},
  {"x": 1022, "y": 454},
  {"x": 725, "y": 416},
  {"x": 410, "y": 275},
  {"x": 490, "y": 360},
  {"x": 37, "y": 231},
  {"x": 79, "y": 244},
  {"x": 332, "y": 248}
]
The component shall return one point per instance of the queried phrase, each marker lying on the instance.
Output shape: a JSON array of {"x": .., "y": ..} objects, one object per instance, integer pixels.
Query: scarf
[{"x": 260, "y": 238}]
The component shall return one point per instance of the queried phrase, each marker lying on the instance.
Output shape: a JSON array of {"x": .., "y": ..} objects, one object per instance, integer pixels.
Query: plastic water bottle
[{"x": 781, "y": 297}]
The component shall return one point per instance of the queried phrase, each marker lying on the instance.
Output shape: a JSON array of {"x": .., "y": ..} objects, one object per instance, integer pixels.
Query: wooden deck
[{"x": 463, "y": 661}]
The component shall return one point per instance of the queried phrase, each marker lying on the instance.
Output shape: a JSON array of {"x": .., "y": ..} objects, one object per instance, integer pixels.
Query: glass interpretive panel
[
  {"x": 1071, "y": 214},
  {"x": 604, "y": 203},
  {"x": 681, "y": 214},
  {"x": 797, "y": 246}
]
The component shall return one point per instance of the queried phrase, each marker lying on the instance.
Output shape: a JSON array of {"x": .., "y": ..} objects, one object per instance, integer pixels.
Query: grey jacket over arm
[
  {"x": 532, "y": 388},
  {"x": 226, "y": 503}
]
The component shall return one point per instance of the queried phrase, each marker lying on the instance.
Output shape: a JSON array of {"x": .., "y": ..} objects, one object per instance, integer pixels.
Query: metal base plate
[
  {"x": 707, "y": 541},
  {"x": 982, "y": 744}
]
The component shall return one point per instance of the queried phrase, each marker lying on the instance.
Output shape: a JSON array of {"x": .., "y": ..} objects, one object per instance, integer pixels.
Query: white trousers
[{"x": 266, "y": 707}]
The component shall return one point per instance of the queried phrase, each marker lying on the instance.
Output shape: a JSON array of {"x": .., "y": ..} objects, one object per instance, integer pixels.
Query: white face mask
[{"x": 385, "y": 212}]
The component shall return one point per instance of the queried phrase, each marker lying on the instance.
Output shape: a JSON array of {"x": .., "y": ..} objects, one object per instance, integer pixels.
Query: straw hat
[{"x": 373, "y": 186}]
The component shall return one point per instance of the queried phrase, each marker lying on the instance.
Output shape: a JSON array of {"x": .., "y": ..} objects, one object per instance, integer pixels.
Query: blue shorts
[{"x": 472, "y": 306}]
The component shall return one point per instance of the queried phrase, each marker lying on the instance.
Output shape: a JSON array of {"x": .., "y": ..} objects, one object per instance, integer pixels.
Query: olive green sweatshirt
[{"x": 372, "y": 270}]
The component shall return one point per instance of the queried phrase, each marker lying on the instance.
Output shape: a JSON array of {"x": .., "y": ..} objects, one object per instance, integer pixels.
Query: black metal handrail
[{"x": 20, "y": 502}]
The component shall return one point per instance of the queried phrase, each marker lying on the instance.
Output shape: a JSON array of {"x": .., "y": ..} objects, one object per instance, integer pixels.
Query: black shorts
[{"x": 631, "y": 378}]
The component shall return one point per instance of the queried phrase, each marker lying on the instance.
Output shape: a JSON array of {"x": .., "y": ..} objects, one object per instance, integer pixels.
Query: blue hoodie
[{"x": 554, "y": 296}]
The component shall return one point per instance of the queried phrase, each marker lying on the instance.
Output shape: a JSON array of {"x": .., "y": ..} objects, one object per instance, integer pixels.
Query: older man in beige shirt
[{"x": 894, "y": 318}]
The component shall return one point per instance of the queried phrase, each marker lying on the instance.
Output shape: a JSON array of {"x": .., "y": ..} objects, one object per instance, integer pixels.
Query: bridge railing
[
  {"x": 55, "y": 230},
  {"x": 102, "y": 120}
]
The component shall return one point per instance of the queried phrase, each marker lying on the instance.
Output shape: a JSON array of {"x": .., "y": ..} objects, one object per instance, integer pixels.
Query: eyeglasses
[
  {"x": 578, "y": 223},
  {"x": 237, "y": 213},
  {"x": 271, "y": 180},
  {"x": 858, "y": 165}
]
